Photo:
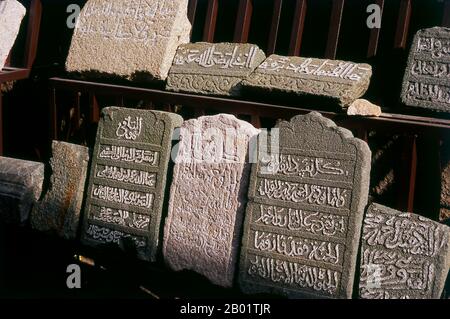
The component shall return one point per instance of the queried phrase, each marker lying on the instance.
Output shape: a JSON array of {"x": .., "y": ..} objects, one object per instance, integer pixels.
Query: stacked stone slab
[
  {"x": 11, "y": 16},
  {"x": 20, "y": 188},
  {"x": 339, "y": 80},
  {"x": 127, "y": 180},
  {"x": 59, "y": 210},
  {"x": 130, "y": 39},
  {"x": 427, "y": 78},
  {"x": 305, "y": 211},
  {"x": 403, "y": 256},
  {"x": 207, "y": 202},
  {"x": 213, "y": 68}
]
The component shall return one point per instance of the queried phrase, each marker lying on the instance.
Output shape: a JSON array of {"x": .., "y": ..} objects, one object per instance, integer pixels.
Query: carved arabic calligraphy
[
  {"x": 212, "y": 56},
  {"x": 435, "y": 46},
  {"x": 126, "y": 175},
  {"x": 130, "y": 129},
  {"x": 300, "y": 220},
  {"x": 294, "y": 274},
  {"x": 315, "y": 67},
  {"x": 123, "y": 196},
  {"x": 303, "y": 166},
  {"x": 304, "y": 193},
  {"x": 129, "y": 154},
  {"x": 121, "y": 217}
]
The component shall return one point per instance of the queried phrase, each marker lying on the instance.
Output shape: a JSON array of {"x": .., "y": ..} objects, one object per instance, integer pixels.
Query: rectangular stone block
[
  {"x": 340, "y": 80},
  {"x": 11, "y": 16},
  {"x": 426, "y": 83},
  {"x": 207, "y": 202},
  {"x": 131, "y": 39},
  {"x": 213, "y": 68},
  {"x": 305, "y": 211},
  {"x": 403, "y": 255},
  {"x": 20, "y": 187},
  {"x": 127, "y": 181},
  {"x": 59, "y": 210}
]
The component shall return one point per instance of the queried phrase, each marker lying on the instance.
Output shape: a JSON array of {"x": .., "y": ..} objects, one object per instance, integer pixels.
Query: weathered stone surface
[
  {"x": 364, "y": 108},
  {"x": 127, "y": 182},
  {"x": 213, "y": 68},
  {"x": 11, "y": 15},
  {"x": 20, "y": 187},
  {"x": 206, "y": 207},
  {"x": 445, "y": 178},
  {"x": 344, "y": 81},
  {"x": 59, "y": 210},
  {"x": 130, "y": 39},
  {"x": 426, "y": 83},
  {"x": 402, "y": 255},
  {"x": 305, "y": 211}
]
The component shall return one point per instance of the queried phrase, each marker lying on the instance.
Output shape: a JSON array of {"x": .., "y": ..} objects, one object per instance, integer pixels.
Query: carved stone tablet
[
  {"x": 427, "y": 79},
  {"x": 304, "y": 217},
  {"x": 59, "y": 210},
  {"x": 20, "y": 187},
  {"x": 128, "y": 179},
  {"x": 130, "y": 39},
  {"x": 344, "y": 81},
  {"x": 11, "y": 15},
  {"x": 213, "y": 68},
  {"x": 402, "y": 255},
  {"x": 207, "y": 202}
]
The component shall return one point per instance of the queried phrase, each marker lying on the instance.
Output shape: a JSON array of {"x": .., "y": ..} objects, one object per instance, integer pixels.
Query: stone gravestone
[
  {"x": 20, "y": 187},
  {"x": 305, "y": 211},
  {"x": 11, "y": 15},
  {"x": 207, "y": 202},
  {"x": 403, "y": 256},
  {"x": 130, "y": 39},
  {"x": 427, "y": 78},
  {"x": 213, "y": 68},
  {"x": 59, "y": 210},
  {"x": 339, "y": 80},
  {"x": 128, "y": 179}
]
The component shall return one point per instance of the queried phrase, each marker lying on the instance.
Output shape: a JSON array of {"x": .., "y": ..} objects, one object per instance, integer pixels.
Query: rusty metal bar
[
  {"x": 94, "y": 109},
  {"x": 273, "y": 35},
  {"x": 192, "y": 9},
  {"x": 243, "y": 21},
  {"x": 297, "y": 27},
  {"x": 404, "y": 17},
  {"x": 407, "y": 177},
  {"x": 34, "y": 24},
  {"x": 446, "y": 15},
  {"x": 375, "y": 34},
  {"x": 53, "y": 115},
  {"x": 335, "y": 28},
  {"x": 211, "y": 19},
  {"x": 393, "y": 122}
]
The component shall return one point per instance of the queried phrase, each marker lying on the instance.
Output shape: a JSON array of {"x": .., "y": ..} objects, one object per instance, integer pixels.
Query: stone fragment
[
  {"x": 305, "y": 211},
  {"x": 207, "y": 202},
  {"x": 129, "y": 39},
  {"x": 127, "y": 182},
  {"x": 59, "y": 210},
  {"x": 20, "y": 187},
  {"x": 403, "y": 255},
  {"x": 11, "y": 16},
  {"x": 364, "y": 108},
  {"x": 426, "y": 83},
  {"x": 213, "y": 68},
  {"x": 339, "y": 80}
]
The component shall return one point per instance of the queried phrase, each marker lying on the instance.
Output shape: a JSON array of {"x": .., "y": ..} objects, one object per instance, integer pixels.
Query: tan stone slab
[
  {"x": 130, "y": 39},
  {"x": 12, "y": 13},
  {"x": 207, "y": 202},
  {"x": 213, "y": 68},
  {"x": 340, "y": 80}
]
